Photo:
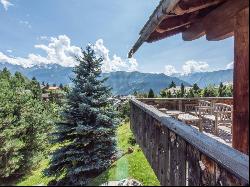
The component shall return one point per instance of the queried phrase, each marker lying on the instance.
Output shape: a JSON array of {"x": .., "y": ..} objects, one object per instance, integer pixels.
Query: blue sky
[{"x": 114, "y": 23}]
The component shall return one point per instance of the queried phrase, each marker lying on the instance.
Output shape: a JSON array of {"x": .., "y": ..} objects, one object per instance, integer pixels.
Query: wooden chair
[
  {"x": 204, "y": 108},
  {"x": 223, "y": 115}
]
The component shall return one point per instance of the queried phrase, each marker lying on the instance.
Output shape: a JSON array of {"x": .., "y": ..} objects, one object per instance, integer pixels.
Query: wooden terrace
[{"x": 179, "y": 153}]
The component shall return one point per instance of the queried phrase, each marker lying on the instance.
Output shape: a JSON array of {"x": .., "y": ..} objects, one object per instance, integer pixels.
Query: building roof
[
  {"x": 192, "y": 18},
  {"x": 53, "y": 88}
]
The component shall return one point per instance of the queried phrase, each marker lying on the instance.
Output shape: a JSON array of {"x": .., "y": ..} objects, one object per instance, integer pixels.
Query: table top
[
  {"x": 174, "y": 112},
  {"x": 188, "y": 117}
]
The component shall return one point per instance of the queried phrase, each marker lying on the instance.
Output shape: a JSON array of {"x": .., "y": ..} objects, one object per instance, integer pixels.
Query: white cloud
[
  {"x": 6, "y": 4},
  {"x": 60, "y": 51},
  {"x": 133, "y": 64},
  {"x": 230, "y": 65},
  {"x": 26, "y": 23},
  {"x": 170, "y": 70},
  {"x": 116, "y": 63},
  {"x": 9, "y": 51},
  {"x": 192, "y": 66}
]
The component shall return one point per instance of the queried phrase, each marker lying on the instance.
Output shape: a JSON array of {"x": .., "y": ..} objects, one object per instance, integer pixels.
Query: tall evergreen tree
[
  {"x": 182, "y": 90},
  {"x": 88, "y": 128},
  {"x": 221, "y": 90},
  {"x": 172, "y": 85},
  {"x": 24, "y": 124},
  {"x": 163, "y": 93},
  {"x": 151, "y": 93},
  {"x": 169, "y": 94}
]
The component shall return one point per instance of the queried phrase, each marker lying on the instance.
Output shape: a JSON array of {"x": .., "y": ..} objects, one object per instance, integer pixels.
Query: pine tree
[
  {"x": 182, "y": 90},
  {"x": 221, "y": 90},
  {"x": 169, "y": 94},
  {"x": 88, "y": 128},
  {"x": 24, "y": 124},
  {"x": 172, "y": 85},
  {"x": 61, "y": 86},
  {"x": 163, "y": 93},
  {"x": 151, "y": 93}
]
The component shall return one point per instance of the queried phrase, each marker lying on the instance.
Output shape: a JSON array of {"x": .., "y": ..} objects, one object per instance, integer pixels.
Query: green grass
[
  {"x": 36, "y": 177},
  {"x": 132, "y": 165}
]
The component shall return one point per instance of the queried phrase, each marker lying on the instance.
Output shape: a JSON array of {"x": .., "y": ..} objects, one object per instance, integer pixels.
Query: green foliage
[
  {"x": 182, "y": 92},
  {"x": 133, "y": 165},
  {"x": 24, "y": 123},
  {"x": 131, "y": 140},
  {"x": 172, "y": 85},
  {"x": 151, "y": 93},
  {"x": 169, "y": 94},
  {"x": 124, "y": 111},
  {"x": 87, "y": 128},
  {"x": 209, "y": 91},
  {"x": 163, "y": 93}
]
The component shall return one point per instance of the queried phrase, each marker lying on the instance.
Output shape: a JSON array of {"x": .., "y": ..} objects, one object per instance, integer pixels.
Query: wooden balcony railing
[{"x": 181, "y": 155}]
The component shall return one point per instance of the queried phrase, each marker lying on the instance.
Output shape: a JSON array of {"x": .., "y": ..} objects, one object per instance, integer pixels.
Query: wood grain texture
[
  {"x": 241, "y": 83},
  {"x": 180, "y": 155}
]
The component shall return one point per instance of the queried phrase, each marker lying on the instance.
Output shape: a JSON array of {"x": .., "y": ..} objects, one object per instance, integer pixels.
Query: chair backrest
[
  {"x": 204, "y": 103},
  {"x": 223, "y": 111}
]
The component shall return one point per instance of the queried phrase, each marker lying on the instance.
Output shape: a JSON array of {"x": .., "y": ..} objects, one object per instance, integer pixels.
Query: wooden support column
[{"x": 241, "y": 82}]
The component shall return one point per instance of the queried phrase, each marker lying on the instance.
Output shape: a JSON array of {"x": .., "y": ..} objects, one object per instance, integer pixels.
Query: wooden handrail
[{"x": 225, "y": 157}]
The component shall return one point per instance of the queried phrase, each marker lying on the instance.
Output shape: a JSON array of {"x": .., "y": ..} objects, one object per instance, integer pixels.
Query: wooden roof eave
[{"x": 163, "y": 9}]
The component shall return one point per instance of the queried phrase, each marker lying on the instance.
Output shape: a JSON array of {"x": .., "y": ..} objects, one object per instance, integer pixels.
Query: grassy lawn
[
  {"x": 36, "y": 177},
  {"x": 132, "y": 165}
]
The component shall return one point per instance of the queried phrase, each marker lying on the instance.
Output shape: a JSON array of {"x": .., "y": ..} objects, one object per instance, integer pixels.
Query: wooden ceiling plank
[
  {"x": 195, "y": 31},
  {"x": 185, "y": 7},
  {"x": 225, "y": 11}
]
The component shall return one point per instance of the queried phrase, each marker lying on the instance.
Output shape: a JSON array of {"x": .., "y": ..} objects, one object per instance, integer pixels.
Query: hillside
[
  {"x": 204, "y": 79},
  {"x": 123, "y": 83}
]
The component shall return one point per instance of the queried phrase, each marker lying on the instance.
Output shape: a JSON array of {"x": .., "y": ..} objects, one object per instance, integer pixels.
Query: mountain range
[
  {"x": 123, "y": 83},
  {"x": 204, "y": 79}
]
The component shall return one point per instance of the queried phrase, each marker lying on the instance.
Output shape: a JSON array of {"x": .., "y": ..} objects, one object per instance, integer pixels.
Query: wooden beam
[
  {"x": 241, "y": 83},
  {"x": 218, "y": 24},
  {"x": 155, "y": 36},
  {"x": 220, "y": 31},
  {"x": 225, "y": 11},
  {"x": 188, "y": 6},
  {"x": 174, "y": 22},
  {"x": 195, "y": 31}
]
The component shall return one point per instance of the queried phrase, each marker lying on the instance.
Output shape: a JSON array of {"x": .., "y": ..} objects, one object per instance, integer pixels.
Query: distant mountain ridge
[
  {"x": 127, "y": 82},
  {"x": 204, "y": 79},
  {"x": 123, "y": 83}
]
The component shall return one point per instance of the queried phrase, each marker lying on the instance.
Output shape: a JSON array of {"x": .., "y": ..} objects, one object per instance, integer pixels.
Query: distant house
[
  {"x": 177, "y": 88},
  {"x": 53, "y": 88}
]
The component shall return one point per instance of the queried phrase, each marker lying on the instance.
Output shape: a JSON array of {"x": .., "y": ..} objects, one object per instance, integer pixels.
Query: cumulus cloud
[
  {"x": 170, "y": 70},
  {"x": 190, "y": 66},
  {"x": 193, "y": 66},
  {"x": 6, "y": 4},
  {"x": 115, "y": 63},
  {"x": 60, "y": 51},
  {"x": 230, "y": 65}
]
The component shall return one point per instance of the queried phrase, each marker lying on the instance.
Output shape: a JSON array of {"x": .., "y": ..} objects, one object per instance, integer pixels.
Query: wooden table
[
  {"x": 164, "y": 110},
  {"x": 174, "y": 113},
  {"x": 189, "y": 119}
]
